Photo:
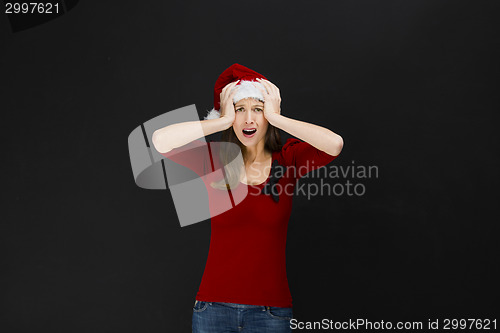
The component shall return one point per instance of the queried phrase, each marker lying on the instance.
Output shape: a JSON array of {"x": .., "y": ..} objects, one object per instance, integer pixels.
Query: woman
[{"x": 244, "y": 285}]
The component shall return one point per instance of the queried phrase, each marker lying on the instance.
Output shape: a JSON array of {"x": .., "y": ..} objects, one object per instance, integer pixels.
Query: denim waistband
[
  {"x": 235, "y": 305},
  {"x": 239, "y": 306}
]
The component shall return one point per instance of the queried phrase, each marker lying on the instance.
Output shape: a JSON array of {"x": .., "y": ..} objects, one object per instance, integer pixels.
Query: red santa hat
[{"x": 246, "y": 87}]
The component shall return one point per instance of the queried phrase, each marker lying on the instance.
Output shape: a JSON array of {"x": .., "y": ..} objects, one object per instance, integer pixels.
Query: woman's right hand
[{"x": 226, "y": 102}]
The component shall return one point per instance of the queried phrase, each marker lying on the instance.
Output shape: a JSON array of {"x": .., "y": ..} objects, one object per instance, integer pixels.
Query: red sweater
[{"x": 246, "y": 261}]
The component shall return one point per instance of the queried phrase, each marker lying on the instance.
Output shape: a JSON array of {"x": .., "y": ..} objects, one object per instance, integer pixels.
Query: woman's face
[{"x": 250, "y": 125}]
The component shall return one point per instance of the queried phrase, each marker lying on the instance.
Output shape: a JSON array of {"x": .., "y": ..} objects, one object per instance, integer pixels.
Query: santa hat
[{"x": 246, "y": 87}]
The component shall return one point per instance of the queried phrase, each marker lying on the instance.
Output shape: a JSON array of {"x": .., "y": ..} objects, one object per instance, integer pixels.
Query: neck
[{"x": 255, "y": 153}]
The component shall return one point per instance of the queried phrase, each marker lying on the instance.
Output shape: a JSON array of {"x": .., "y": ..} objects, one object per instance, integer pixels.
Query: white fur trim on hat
[
  {"x": 212, "y": 114},
  {"x": 246, "y": 89}
]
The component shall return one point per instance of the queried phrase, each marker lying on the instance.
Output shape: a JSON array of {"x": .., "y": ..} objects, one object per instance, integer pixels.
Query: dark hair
[{"x": 228, "y": 153}]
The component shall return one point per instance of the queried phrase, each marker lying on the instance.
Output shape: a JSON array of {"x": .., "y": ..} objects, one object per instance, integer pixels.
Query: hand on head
[
  {"x": 272, "y": 98},
  {"x": 226, "y": 101}
]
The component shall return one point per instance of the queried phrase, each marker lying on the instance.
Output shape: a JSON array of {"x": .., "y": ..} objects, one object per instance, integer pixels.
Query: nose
[{"x": 249, "y": 118}]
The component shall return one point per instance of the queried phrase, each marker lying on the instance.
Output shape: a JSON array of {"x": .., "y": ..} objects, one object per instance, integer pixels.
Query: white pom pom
[{"x": 212, "y": 114}]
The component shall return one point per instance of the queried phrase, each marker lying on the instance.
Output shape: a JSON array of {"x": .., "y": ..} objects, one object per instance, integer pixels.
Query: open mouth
[{"x": 249, "y": 132}]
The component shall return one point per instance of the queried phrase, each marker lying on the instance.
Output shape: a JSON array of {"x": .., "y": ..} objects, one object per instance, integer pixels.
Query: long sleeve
[{"x": 304, "y": 157}]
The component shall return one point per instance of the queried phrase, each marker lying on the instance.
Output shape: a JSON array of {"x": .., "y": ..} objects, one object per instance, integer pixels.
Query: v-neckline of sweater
[{"x": 268, "y": 176}]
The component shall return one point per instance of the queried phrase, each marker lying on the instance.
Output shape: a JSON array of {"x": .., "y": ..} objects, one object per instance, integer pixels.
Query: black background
[{"x": 412, "y": 87}]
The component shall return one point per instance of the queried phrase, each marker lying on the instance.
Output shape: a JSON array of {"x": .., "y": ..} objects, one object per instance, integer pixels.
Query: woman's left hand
[{"x": 272, "y": 98}]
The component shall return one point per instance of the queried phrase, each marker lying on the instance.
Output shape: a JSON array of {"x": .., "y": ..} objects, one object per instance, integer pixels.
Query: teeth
[{"x": 249, "y": 131}]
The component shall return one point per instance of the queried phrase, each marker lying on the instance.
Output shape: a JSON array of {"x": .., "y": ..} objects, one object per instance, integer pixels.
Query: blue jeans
[{"x": 218, "y": 317}]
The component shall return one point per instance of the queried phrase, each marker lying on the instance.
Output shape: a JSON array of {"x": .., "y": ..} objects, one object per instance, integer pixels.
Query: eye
[
  {"x": 240, "y": 109},
  {"x": 258, "y": 109}
]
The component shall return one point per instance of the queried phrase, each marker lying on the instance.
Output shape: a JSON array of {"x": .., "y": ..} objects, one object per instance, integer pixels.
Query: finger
[
  {"x": 228, "y": 86},
  {"x": 231, "y": 86},
  {"x": 235, "y": 83},
  {"x": 274, "y": 89},
  {"x": 266, "y": 85},
  {"x": 234, "y": 90},
  {"x": 262, "y": 90},
  {"x": 264, "y": 81}
]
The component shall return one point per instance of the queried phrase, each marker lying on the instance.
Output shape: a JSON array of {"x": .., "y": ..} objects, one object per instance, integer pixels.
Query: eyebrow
[{"x": 244, "y": 105}]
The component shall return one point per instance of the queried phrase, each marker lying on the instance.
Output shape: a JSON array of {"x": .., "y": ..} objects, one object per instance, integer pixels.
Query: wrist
[
  {"x": 272, "y": 118},
  {"x": 226, "y": 122}
]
